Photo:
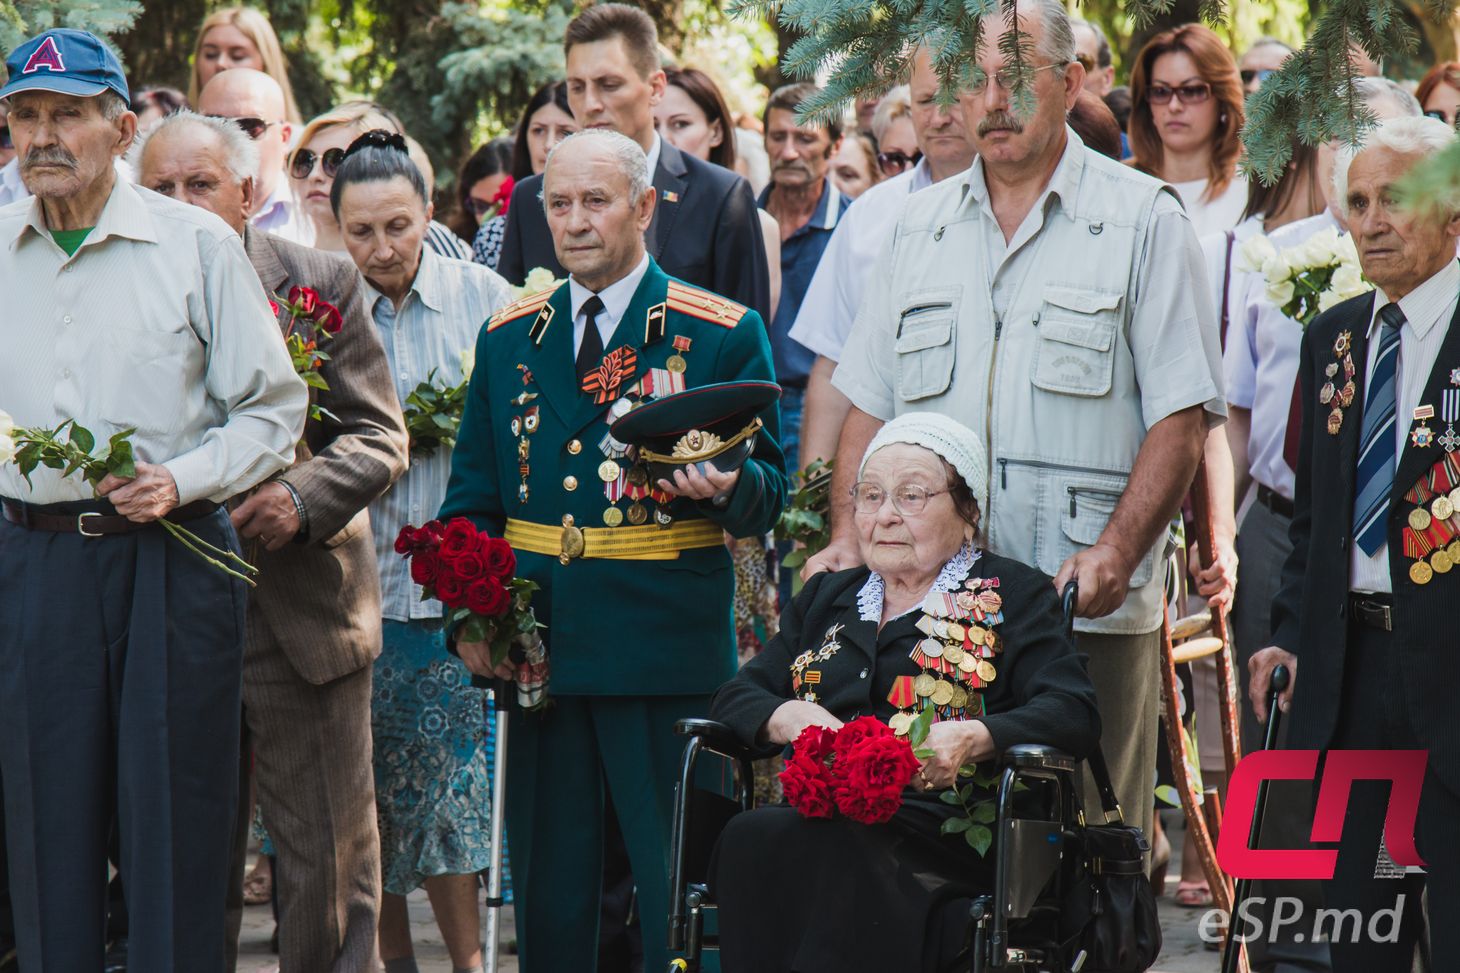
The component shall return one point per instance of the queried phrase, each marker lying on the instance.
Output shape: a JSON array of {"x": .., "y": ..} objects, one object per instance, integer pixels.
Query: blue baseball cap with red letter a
[{"x": 71, "y": 62}]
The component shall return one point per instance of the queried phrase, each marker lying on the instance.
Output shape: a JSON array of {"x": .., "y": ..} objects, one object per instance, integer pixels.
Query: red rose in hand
[
  {"x": 459, "y": 537},
  {"x": 305, "y": 299},
  {"x": 469, "y": 566},
  {"x": 816, "y": 743},
  {"x": 434, "y": 529},
  {"x": 487, "y": 597},
  {"x": 807, "y": 786},
  {"x": 501, "y": 559},
  {"x": 451, "y": 590},
  {"x": 851, "y": 735},
  {"x": 425, "y": 567},
  {"x": 405, "y": 541},
  {"x": 328, "y": 317},
  {"x": 872, "y": 777}
]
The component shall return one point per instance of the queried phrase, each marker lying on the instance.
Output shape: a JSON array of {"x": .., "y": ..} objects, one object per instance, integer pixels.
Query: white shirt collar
[
  {"x": 653, "y": 154},
  {"x": 615, "y": 296},
  {"x": 1424, "y": 306},
  {"x": 275, "y": 209}
]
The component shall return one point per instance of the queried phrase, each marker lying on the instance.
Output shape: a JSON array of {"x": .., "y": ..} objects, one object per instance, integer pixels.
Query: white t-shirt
[{"x": 1213, "y": 215}]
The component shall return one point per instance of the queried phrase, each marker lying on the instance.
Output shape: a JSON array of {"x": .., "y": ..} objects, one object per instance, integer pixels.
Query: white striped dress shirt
[{"x": 158, "y": 323}]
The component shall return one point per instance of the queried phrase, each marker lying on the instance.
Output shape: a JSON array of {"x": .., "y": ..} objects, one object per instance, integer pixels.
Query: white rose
[
  {"x": 1279, "y": 292},
  {"x": 1347, "y": 282},
  {"x": 7, "y": 443},
  {"x": 1321, "y": 249},
  {"x": 1329, "y": 298},
  {"x": 1255, "y": 254},
  {"x": 539, "y": 279},
  {"x": 468, "y": 363},
  {"x": 1277, "y": 269},
  {"x": 1346, "y": 251}
]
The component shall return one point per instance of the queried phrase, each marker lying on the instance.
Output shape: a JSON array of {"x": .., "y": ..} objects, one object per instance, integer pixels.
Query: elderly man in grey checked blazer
[{"x": 314, "y": 620}]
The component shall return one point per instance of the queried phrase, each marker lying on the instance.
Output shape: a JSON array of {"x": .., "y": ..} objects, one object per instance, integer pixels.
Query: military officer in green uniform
[{"x": 636, "y": 584}]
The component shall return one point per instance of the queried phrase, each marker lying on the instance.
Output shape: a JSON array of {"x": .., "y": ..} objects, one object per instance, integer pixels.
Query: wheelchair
[{"x": 1015, "y": 927}]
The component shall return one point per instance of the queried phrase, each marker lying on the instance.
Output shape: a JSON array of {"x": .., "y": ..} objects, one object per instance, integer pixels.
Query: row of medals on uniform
[{"x": 1432, "y": 538}]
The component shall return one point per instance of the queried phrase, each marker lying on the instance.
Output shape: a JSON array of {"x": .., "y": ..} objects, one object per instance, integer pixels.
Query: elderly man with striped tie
[{"x": 1368, "y": 590}]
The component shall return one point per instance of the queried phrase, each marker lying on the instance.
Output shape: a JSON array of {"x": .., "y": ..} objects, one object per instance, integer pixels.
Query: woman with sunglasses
[
  {"x": 892, "y": 127},
  {"x": 1186, "y": 123},
  {"x": 1439, "y": 92}
]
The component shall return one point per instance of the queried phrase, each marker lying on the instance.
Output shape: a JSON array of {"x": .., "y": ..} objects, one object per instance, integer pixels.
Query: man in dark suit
[
  {"x": 314, "y": 619},
  {"x": 705, "y": 229},
  {"x": 1364, "y": 614}
]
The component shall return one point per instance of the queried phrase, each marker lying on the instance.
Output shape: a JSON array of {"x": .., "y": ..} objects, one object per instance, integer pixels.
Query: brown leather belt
[{"x": 93, "y": 523}]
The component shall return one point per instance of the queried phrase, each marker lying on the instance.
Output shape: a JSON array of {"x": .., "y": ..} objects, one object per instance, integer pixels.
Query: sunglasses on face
[
  {"x": 893, "y": 163},
  {"x": 254, "y": 128},
  {"x": 1086, "y": 61},
  {"x": 1189, "y": 94},
  {"x": 1256, "y": 74},
  {"x": 304, "y": 160},
  {"x": 1439, "y": 115}
]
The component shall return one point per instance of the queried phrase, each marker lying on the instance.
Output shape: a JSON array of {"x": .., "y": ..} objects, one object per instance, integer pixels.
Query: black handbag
[{"x": 1108, "y": 920}]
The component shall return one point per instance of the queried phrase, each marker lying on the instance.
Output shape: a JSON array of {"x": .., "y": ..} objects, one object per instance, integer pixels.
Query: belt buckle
[
  {"x": 570, "y": 541},
  {"x": 81, "y": 524},
  {"x": 1388, "y": 618}
]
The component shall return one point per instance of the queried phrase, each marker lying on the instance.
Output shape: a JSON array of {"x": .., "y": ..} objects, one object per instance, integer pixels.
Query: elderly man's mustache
[
  {"x": 999, "y": 121},
  {"x": 52, "y": 156}
]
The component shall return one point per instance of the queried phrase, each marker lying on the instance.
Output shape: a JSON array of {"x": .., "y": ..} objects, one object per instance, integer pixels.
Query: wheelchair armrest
[
  {"x": 1037, "y": 756},
  {"x": 718, "y": 737}
]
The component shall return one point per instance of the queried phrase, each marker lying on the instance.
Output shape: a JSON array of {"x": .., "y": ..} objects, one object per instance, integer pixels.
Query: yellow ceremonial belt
[{"x": 648, "y": 542}]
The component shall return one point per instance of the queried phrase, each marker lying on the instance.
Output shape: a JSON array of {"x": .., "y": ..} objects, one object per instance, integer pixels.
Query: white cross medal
[{"x": 1450, "y": 411}]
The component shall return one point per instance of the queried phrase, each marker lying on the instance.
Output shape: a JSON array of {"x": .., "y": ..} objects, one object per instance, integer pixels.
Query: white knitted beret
[{"x": 950, "y": 439}]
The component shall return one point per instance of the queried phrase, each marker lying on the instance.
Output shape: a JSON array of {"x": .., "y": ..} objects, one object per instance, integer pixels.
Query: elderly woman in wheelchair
[{"x": 930, "y": 621}]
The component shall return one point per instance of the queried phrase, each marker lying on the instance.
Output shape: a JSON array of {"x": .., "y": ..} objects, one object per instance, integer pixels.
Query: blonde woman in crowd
[{"x": 240, "y": 37}]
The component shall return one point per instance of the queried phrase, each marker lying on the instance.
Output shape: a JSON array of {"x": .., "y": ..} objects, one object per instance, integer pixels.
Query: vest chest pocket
[
  {"x": 1076, "y": 349},
  {"x": 924, "y": 348}
]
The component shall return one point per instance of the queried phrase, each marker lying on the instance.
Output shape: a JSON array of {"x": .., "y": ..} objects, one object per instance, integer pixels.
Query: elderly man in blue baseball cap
[{"x": 121, "y": 650}]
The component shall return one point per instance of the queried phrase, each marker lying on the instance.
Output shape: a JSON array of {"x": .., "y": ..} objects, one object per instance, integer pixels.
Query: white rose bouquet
[
  {"x": 538, "y": 279},
  {"x": 1309, "y": 278}
]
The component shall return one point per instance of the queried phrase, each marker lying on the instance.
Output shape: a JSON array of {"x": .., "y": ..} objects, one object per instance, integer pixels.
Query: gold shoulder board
[
  {"x": 519, "y": 309},
  {"x": 704, "y": 305}
]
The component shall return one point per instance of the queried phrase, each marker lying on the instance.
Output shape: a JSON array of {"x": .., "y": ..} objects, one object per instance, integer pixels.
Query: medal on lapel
[
  {"x": 676, "y": 362},
  {"x": 1449, "y": 412},
  {"x": 1422, "y": 435},
  {"x": 1332, "y": 394},
  {"x": 616, "y": 368}
]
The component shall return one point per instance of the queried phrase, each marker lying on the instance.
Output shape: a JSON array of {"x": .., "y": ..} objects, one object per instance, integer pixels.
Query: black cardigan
[{"x": 1040, "y": 695}]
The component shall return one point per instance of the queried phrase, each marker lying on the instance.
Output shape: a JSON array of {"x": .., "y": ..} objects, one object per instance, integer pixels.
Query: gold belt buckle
[{"x": 570, "y": 542}]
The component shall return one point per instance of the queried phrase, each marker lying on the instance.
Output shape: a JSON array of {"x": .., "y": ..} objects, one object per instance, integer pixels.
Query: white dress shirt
[
  {"x": 849, "y": 261},
  {"x": 11, "y": 186},
  {"x": 157, "y": 323},
  {"x": 1261, "y": 360},
  {"x": 441, "y": 316},
  {"x": 653, "y": 154},
  {"x": 282, "y": 215},
  {"x": 615, "y": 298},
  {"x": 1427, "y": 313}
]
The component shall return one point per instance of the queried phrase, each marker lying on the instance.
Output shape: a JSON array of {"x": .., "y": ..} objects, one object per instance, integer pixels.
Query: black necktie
[{"x": 590, "y": 349}]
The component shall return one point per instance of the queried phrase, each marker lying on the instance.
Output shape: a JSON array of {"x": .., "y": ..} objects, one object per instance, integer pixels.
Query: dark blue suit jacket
[{"x": 705, "y": 231}]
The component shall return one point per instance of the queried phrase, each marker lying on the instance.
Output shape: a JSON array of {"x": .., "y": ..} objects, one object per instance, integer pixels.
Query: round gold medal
[
  {"x": 637, "y": 513},
  {"x": 900, "y": 722},
  {"x": 1420, "y": 572},
  {"x": 923, "y": 685},
  {"x": 1419, "y": 518},
  {"x": 940, "y": 629},
  {"x": 942, "y": 693},
  {"x": 613, "y": 516},
  {"x": 932, "y": 648},
  {"x": 966, "y": 600},
  {"x": 968, "y": 664},
  {"x": 639, "y": 476},
  {"x": 1442, "y": 508},
  {"x": 1455, "y": 498},
  {"x": 978, "y": 635},
  {"x": 954, "y": 653},
  {"x": 960, "y": 698},
  {"x": 956, "y": 631},
  {"x": 986, "y": 670},
  {"x": 608, "y": 471},
  {"x": 1454, "y": 551},
  {"x": 676, "y": 363},
  {"x": 1440, "y": 562}
]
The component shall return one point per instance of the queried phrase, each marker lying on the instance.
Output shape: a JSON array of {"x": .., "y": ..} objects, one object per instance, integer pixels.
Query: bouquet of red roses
[
  {"x": 474, "y": 576},
  {"x": 860, "y": 770}
]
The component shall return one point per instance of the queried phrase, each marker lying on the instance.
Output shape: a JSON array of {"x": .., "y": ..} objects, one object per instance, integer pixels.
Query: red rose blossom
[
  {"x": 871, "y": 777},
  {"x": 460, "y": 536},
  {"x": 816, "y": 742},
  {"x": 425, "y": 568},
  {"x": 501, "y": 559},
  {"x": 434, "y": 528},
  {"x": 487, "y": 597},
  {"x": 854, "y": 732},
  {"x": 451, "y": 590},
  {"x": 469, "y": 565},
  {"x": 274, "y": 308},
  {"x": 328, "y": 317},
  {"x": 305, "y": 299},
  {"x": 405, "y": 541},
  {"x": 807, "y": 786}
]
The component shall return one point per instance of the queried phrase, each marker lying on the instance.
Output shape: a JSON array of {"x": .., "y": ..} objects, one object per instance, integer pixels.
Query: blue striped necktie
[{"x": 1376, "y": 447}]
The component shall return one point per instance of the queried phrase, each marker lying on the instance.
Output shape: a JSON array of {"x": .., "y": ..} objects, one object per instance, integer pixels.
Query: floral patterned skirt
[{"x": 433, "y": 739}]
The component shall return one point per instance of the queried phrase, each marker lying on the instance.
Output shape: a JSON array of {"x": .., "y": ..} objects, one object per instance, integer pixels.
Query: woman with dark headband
[{"x": 433, "y": 794}]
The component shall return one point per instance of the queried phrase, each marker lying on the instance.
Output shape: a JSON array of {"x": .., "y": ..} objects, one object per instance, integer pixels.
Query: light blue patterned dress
[{"x": 432, "y": 728}]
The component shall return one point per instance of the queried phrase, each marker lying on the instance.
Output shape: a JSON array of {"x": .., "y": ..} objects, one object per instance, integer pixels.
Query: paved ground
[{"x": 1183, "y": 951}]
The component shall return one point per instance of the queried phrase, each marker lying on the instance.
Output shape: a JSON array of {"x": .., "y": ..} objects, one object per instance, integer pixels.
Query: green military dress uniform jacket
[{"x": 613, "y": 626}]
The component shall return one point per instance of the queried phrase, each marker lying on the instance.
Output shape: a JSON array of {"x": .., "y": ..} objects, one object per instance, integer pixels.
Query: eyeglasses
[
  {"x": 893, "y": 163},
  {"x": 1086, "y": 61},
  {"x": 1256, "y": 74},
  {"x": 909, "y": 499},
  {"x": 1189, "y": 94},
  {"x": 1004, "y": 77},
  {"x": 254, "y": 128},
  {"x": 1432, "y": 113},
  {"x": 304, "y": 159}
]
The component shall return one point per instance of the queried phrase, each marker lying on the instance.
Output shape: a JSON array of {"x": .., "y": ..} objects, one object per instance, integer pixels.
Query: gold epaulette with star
[
  {"x": 530, "y": 304},
  {"x": 704, "y": 305}
]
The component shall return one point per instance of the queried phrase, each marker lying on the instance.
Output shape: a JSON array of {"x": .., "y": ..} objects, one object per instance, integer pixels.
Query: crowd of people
[{"x": 1017, "y": 337}]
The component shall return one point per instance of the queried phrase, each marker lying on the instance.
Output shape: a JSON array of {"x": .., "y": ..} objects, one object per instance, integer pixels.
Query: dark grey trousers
[{"x": 120, "y": 675}]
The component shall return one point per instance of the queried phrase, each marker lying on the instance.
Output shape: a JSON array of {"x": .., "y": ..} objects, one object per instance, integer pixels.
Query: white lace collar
[{"x": 870, "y": 598}]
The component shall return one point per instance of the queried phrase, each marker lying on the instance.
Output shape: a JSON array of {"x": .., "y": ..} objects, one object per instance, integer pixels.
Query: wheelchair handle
[{"x": 1068, "y": 600}]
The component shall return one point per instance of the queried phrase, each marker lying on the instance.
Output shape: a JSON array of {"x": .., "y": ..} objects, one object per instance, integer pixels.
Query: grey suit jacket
[{"x": 319, "y": 597}]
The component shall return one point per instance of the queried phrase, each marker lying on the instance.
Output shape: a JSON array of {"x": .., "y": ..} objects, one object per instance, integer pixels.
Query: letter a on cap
[{"x": 47, "y": 56}]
